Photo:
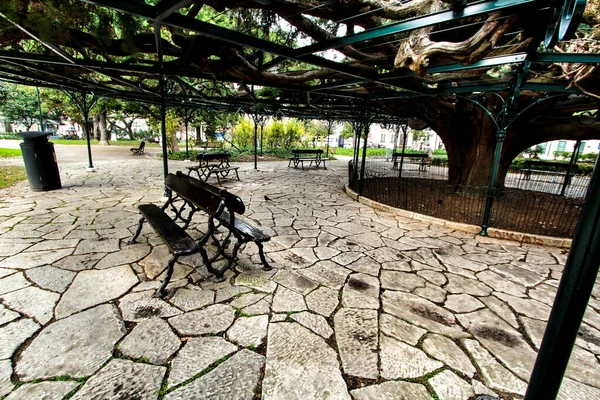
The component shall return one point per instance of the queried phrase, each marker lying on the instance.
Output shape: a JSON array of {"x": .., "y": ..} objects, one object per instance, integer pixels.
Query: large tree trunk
[
  {"x": 103, "y": 129},
  {"x": 469, "y": 135},
  {"x": 96, "y": 127}
]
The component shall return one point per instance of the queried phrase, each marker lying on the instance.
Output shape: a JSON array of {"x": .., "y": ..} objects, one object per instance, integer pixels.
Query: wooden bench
[
  {"x": 419, "y": 159},
  {"x": 186, "y": 196},
  {"x": 311, "y": 155},
  {"x": 216, "y": 164},
  {"x": 139, "y": 150},
  {"x": 545, "y": 167},
  {"x": 206, "y": 145}
]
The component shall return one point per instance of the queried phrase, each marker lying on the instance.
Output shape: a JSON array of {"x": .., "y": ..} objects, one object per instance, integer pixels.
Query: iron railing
[{"x": 428, "y": 192}]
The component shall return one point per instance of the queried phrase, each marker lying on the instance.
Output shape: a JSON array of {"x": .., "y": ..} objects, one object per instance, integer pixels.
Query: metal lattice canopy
[{"x": 313, "y": 59}]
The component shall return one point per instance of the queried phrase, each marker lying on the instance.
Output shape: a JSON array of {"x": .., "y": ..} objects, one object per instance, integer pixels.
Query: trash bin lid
[{"x": 38, "y": 137}]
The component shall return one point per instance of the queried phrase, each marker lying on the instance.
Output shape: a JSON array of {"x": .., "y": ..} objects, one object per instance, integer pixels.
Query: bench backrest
[
  {"x": 212, "y": 203},
  {"x": 211, "y": 145},
  {"x": 409, "y": 155},
  {"x": 532, "y": 163},
  {"x": 232, "y": 202},
  {"x": 307, "y": 151},
  {"x": 142, "y": 145},
  {"x": 213, "y": 156}
]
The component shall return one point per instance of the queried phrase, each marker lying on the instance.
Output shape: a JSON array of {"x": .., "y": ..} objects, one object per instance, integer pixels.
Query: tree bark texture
[{"x": 104, "y": 133}]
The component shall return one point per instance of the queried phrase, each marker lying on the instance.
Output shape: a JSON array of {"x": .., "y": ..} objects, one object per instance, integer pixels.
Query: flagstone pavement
[{"x": 361, "y": 304}]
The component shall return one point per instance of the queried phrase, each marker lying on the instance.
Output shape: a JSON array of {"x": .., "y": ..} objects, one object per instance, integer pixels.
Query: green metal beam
[
  {"x": 580, "y": 58},
  {"x": 168, "y": 7}
]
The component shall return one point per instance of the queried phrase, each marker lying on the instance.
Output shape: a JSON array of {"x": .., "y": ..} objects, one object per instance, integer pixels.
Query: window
[
  {"x": 561, "y": 145},
  {"x": 382, "y": 138},
  {"x": 581, "y": 147}
]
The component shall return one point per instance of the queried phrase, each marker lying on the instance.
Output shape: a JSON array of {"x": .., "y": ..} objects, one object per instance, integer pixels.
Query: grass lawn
[
  {"x": 6, "y": 153},
  {"x": 11, "y": 175}
]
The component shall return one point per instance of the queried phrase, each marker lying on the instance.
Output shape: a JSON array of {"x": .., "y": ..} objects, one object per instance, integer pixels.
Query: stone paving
[{"x": 361, "y": 304}]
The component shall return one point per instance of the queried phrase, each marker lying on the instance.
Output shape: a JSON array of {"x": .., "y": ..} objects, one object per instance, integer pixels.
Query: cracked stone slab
[
  {"x": 97, "y": 245},
  {"x": 196, "y": 355},
  {"x": 448, "y": 386},
  {"x": 295, "y": 281},
  {"x": 431, "y": 292},
  {"x": 155, "y": 262},
  {"x": 192, "y": 299},
  {"x": 33, "y": 260},
  {"x": 286, "y": 300},
  {"x": 327, "y": 273},
  {"x": 501, "y": 340},
  {"x": 445, "y": 350},
  {"x": 261, "y": 307},
  {"x": 573, "y": 390},
  {"x": 398, "y": 329},
  {"x": 75, "y": 346},
  {"x": 78, "y": 263},
  {"x": 53, "y": 245},
  {"x": 403, "y": 281},
  {"x": 458, "y": 284},
  {"x": 123, "y": 379},
  {"x": 51, "y": 278},
  {"x": 5, "y": 372},
  {"x": 356, "y": 337},
  {"x": 90, "y": 288},
  {"x": 528, "y": 307},
  {"x": 257, "y": 281},
  {"x": 14, "y": 334},
  {"x": 400, "y": 360},
  {"x": 518, "y": 275},
  {"x": 249, "y": 331},
  {"x": 213, "y": 319},
  {"x": 462, "y": 303},
  {"x": 501, "y": 309},
  {"x": 33, "y": 302},
  {"x": 7, "y": 315},
  {"x": 152, "y": 339},
  {"x": 139, "y": 306},
  {"x": 235, "y": 379},
  {"x": 365, "y": 265},
  {"x": 13, "y": 282},
  {"x": 247, "y": 299},
  {"x": 43, "y": 390},
  {"x": 315, "y": 323},
  {"x": 501, "y": 284},
  {"x": 361, "y": 291},
  {"x": 323, "y": 301},
  {"x": 127, "y": 255},
  {"x": 300, "y": 365},
  {"x": 392, "y": 391},
  {"x": 421, "y": 312},
  {"x": 495, "y": 375},
  {"x": 459, "y": 261}
]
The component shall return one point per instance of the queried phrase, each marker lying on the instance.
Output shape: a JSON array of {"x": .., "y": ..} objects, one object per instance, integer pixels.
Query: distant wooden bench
[
  {"x": 206, "y": 145},
  {"x": 419, "y": 159},
  {"x": 139, "y": 150},
  {"x": 310, "y": 155},
  {"x": 545, "y": 167},
  {"x": 216, "y": 164},
  {"x": 188, "y": 195}
]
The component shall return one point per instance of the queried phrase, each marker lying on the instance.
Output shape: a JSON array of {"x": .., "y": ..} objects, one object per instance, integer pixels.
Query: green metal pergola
[{"x": 357, "y": 89}]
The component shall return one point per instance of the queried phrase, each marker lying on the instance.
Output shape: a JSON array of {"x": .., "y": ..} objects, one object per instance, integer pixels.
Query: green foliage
[
  {"x": 315, "y": 129},
  {"x": 534, "y": 152},
  {"x": 21, "y": 106},
  {"x": 171, "y": 126},
  {"x": 420, "y": 135},
  {"x": 347, "y": 131},
  {"x": 242, "y": 134}
]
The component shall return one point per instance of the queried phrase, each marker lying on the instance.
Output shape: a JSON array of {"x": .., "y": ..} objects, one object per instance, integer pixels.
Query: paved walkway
[{"x": 360, "y": 305}]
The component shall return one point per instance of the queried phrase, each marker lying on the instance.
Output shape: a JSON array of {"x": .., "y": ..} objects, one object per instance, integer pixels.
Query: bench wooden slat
[
  {"x": 177, "y": 239},
  {"x": 247, "y": 230}
]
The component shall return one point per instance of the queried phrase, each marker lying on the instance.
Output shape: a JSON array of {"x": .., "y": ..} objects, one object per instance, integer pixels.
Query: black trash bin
[{"x": 40, "y": 161}]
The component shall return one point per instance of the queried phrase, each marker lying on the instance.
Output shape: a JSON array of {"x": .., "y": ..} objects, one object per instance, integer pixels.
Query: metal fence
[{"x": 427, "y": 192}]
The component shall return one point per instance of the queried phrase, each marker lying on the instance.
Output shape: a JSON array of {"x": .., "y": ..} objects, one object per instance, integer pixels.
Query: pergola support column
[
  {"x": 574, "y": 291},
  {"x": 492, "y": 188},
  {"x": 365, "y": 125}
]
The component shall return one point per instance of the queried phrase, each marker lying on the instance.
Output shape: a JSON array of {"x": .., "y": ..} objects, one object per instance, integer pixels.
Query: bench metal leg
[
  {"x": 161, "y": 292},
  {"x": 137, "y": 232},
  {"x": 261, "y": 254}
]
